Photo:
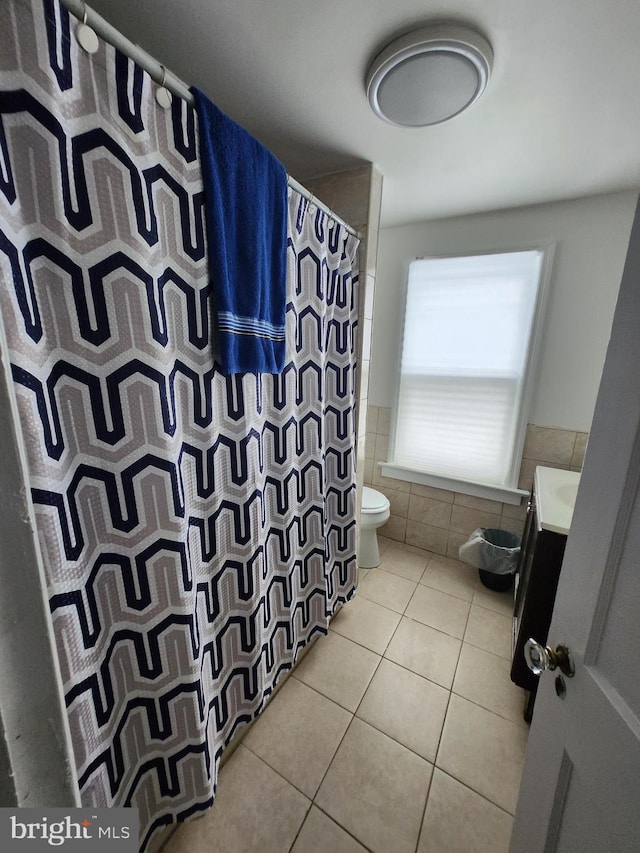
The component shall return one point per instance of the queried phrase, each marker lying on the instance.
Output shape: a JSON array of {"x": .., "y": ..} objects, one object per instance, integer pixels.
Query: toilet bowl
[{"x": 375, "y": 511}]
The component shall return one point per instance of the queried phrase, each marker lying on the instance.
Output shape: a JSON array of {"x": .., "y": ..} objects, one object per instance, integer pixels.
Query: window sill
[{"x": 479, "y": 490}]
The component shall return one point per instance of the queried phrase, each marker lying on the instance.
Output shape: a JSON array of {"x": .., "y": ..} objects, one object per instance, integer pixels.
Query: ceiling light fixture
[{"x": 430, "y": 75}]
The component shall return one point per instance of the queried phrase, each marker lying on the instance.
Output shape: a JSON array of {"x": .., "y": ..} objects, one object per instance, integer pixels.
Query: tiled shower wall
[{"x": 440, "y": 520}]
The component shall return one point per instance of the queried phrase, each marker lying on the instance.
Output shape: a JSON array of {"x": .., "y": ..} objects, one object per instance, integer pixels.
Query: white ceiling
[{"x": 560, "y": 117}]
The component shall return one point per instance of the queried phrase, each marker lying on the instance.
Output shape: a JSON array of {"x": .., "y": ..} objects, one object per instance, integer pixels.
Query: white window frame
[{"x": 510, "y": 493}]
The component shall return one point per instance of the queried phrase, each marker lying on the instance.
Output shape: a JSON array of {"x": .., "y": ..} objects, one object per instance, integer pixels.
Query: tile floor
[{"x": 399, "y": 732}]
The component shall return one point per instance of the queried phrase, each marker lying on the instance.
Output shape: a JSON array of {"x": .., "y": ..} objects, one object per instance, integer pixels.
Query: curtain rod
[{"x": 158, "y": 72}]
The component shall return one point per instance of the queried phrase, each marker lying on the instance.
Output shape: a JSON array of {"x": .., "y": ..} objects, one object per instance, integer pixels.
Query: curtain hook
[
  {"x": 163, "y": 95},
  {"x": 85, "y": 36}
]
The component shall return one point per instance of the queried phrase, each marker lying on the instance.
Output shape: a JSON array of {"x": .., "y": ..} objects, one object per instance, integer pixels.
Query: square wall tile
[
  {"x": 513, "y": 525},
  {"x": 369, "y": 295},
  {"x": 466, "y": 520},
  {"x": 375, "y": 197},
  {"x": 427, "y": 537},
  {"x": 384, "y": 420},
  {"x": 483, "y": 504},
  {"x": 399, "y": 501},
  {"x": 454, "y": 541},
  {"x": 430, "y": 511},
  {"x": 579, "y": 449},
  {"x": 381, "y": 451},
  {"x": 376, "y": 789},
  {"x": 431, "y": 492},
  {"x": 394, "y": 528},
  {"x": 367, "y": 469},
  {"x": 546, "y": 444},
  {"x": 363, "y": 390},
  {"x": 390, "y": 482},
  {"x": 372, "y": 419},
  {"x": 512, "y": 511},
  {"x": 370, "y": 445},
  {"x": 371, "y": 250}
]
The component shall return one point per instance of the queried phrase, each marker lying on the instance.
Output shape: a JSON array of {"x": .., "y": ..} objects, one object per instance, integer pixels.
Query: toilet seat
[{"x": 373, "y": 501}]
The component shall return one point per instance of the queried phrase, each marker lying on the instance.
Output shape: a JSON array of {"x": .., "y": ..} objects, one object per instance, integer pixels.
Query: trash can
[{"x": 495, "y": 553}]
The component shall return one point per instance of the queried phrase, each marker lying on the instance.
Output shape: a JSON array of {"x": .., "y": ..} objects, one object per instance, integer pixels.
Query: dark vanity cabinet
[{"x": 535, "y": 591}]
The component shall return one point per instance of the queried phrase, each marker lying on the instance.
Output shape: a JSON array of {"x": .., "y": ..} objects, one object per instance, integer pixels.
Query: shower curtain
[{"x": 197, "y": 530}]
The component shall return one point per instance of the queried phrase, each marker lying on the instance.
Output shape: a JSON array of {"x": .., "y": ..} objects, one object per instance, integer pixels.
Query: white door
[{"x": 580, "y": 789}]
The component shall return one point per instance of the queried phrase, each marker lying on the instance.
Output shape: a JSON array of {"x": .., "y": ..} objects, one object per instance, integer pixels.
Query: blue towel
[{"x": 246, "y": 214}]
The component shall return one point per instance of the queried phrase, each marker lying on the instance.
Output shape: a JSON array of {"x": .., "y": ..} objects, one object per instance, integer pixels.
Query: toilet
[{"x": 375, "y": 511}]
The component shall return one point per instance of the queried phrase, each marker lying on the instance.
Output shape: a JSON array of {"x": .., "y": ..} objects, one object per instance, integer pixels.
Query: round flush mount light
[{"x": 429, "y": 75}]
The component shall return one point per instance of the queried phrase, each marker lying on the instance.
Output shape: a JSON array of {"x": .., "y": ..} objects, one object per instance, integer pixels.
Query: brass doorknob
[{"x": 540, "y": 658}]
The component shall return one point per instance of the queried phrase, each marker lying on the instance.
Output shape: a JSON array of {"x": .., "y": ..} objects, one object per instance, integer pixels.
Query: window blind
[{"x": 467, "y": 334}]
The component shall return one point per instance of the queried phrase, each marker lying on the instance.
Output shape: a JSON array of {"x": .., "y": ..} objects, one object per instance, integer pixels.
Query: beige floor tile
[
  {"x": 298, "y": 734},
  {"x": 407, "y": 707},
  {"x": 499, "y": 602},
  {"x": 458, "y": 820},
  {"x": 319, "y": 834},
  {"x": 484, "y": 678},
  {"x": 425, "y": 651},
  {"x": 490, "y": 631},
  {"x": 376, "y": 789},
  {"x": 339, "y": 669},
  {"x": 451, "y": 576},
  {"x": 255, "y": 809},
  {"x": 389, "y": 590},
  {"x": 439, "y": 610},
  {"x": 401, "y": 562},
  {"x": 367, "y": 623},
  {"x": 483, "y": 751}
]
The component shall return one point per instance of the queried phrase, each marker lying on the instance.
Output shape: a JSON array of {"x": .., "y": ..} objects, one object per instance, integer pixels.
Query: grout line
[
  {"x": 482, "y": 649},
  {"x": 491, "y": 711},
  {"x": 304, "y": 820},
  {"x": 426, "y": 803},
  {"x": 348, "y": 832},
  {"x": 484, "y": 796}
]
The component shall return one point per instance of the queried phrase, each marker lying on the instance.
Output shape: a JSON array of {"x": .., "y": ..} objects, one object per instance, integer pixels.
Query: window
[{"x": 468, "y": 346}]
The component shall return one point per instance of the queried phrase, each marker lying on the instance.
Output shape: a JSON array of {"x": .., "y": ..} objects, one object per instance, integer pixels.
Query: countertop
[{"x": 555, "y": 493}]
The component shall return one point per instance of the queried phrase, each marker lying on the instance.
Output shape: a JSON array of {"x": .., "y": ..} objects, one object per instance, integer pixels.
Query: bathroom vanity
[{"x": 547, "y": 524}]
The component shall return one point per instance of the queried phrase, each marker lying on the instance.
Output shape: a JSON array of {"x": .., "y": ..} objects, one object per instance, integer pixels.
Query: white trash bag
[{"x": 492, "y": 550}]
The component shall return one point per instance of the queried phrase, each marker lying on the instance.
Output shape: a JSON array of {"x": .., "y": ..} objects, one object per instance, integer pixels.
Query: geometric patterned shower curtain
[{"x": 197, "y": 530}]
